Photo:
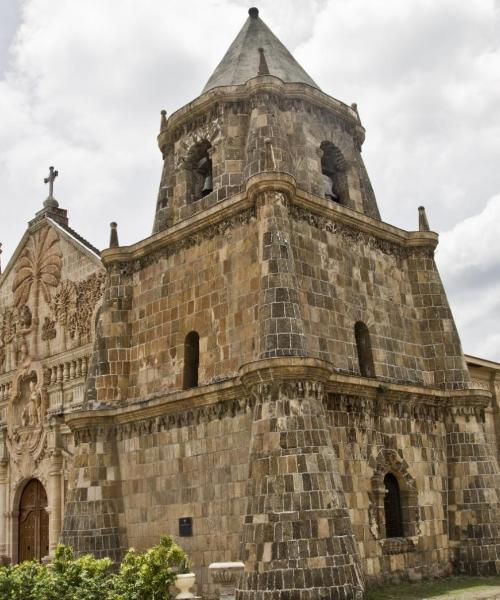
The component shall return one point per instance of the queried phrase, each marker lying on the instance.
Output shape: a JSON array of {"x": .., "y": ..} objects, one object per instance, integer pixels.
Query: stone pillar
[
  {"x": 107, "y": 380},
  {"x": 297, "y": 539},
  {"x": 94, "y": 511},
  {"x": 281, "y": 324},
  {"x": 474, "y": 484},
  {"x": 3, "y": 510},
  {"x": 55, "y": 499}
]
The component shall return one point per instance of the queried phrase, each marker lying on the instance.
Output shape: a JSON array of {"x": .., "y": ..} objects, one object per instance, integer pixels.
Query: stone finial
[
  {"x": 51, "y": 202},
  {"x": 263, "y": 68},
  {"x": 423, "y": 223},
  {"x": 354, "y": 107},
  {"x": 163, "y": 121},
  {"x": 253, "y": 12},
  {"x": 113, "y": 238}
]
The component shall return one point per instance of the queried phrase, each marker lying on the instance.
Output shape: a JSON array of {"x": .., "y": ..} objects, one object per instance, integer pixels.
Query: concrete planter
[
  {"x": 184, "y": 582},
  {"x": 226, "y": 574}
]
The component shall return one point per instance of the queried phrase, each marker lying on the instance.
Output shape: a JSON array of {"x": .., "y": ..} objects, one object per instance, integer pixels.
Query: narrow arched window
[
  {"x": 364, "y": 348},
  {"x": 191, "y": 360},
  {"x": 392, "y": 507},
  {"x": 333, "y": 170},
  {"x": 201, "y": 177}
]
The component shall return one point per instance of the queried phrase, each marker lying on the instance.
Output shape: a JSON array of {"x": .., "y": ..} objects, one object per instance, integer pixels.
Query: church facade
[{"x": 273, "y": 376}]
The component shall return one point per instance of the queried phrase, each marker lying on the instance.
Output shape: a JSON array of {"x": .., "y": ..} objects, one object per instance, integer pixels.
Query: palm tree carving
[{"x": 38, "y": 270}]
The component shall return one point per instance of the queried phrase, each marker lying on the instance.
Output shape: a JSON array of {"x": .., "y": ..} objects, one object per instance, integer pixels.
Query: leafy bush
[
  {"x": 144, "y": 576},
  {"x": 141, "y": 576}
]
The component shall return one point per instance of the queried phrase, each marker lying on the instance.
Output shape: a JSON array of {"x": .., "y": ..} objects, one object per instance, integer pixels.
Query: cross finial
[{"x": 51, "y": 201}]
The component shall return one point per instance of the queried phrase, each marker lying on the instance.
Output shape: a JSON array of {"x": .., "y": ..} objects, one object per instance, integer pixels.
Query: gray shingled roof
[{"x": 241, "y": 61}]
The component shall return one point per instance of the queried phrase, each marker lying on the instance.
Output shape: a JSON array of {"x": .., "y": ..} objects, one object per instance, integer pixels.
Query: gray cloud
[{"x": 84, "y": 89}]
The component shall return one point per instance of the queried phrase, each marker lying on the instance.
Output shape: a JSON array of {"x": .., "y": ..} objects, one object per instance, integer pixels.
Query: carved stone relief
[{"x": 25, "y": 416}]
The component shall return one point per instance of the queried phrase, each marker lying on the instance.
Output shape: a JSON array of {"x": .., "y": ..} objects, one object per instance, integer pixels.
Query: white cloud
[
  {"x": 469, "y": 258},
  {"x": 87, "y": 80}
]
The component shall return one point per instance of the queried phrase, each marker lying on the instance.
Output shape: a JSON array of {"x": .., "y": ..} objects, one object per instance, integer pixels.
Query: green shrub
[
  {"x": 141, "y": 576},
  {"x": 145, "y": 576}
]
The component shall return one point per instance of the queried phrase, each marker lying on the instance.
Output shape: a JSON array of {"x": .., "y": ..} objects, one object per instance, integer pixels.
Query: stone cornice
[
  {"x": 227, "y": 398},
  {"x": 281, "y": 369},
  {"x": 258, "y": 85},
  {"x": 220, "y": 215},
  {"x": 158, "y": 405},
  {"x": 187, "y": 228},
  {"x": 374, "y": 388},
  {"x": 378, "y": 229}
]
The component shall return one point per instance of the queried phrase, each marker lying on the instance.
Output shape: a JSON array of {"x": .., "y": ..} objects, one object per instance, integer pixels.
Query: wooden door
[{"x": 33, "y": 522}]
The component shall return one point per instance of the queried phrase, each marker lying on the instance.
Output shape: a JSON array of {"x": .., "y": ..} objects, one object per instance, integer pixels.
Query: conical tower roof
[{"x": 257, "y": 51}]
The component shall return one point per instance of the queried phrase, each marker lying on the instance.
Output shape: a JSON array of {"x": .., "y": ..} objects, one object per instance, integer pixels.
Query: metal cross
[{"x": 50, "y": 180}]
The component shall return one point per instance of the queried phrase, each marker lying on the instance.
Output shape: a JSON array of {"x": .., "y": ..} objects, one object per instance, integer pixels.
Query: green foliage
[
  {"x": 144, "y": 576},
  {"x": 141, "y": 576}
]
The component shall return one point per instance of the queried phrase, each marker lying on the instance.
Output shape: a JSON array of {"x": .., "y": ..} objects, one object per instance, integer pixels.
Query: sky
[{"x": 82, "y": 85}]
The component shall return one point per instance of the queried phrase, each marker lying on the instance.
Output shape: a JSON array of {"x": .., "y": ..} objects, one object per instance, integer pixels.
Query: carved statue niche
[{"x": 26, "y": 414}]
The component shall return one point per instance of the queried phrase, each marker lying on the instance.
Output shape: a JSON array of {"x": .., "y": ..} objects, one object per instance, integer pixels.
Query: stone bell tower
[
  {"x": 273, "y": 301},
  {"x": 269, "y": 135}
]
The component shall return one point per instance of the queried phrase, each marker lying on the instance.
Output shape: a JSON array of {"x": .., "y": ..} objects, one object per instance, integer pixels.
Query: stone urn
[
  {"x": 226, "y": 574},
  {"x": 184, "y": 582}
]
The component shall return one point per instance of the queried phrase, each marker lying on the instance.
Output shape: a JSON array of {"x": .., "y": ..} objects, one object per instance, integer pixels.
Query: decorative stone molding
[
  {"x": 108, "y": 428},
  {"x": 353, "y": 235},
  {"x": 209, "y": 131},
  {"x": 405, "y": 406},
  {"x": 399, "y": 545},
  {"x": 389, "y": 461},
  {"x": 242, "y": 98}
]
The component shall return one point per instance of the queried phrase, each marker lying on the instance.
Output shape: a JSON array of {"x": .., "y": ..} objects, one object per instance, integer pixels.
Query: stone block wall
[
  {"x": 191, "y": 464},
  {"x": 211, "y": 287},
  {"x": 347, "y": 276},
  {"x": 375, "y": 436},
  {"x": 262, "y": 131}
]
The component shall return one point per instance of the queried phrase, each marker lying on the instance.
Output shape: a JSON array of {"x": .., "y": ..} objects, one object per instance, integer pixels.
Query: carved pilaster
[
  {"x": 3, "y": 507},
  {"x": 55, "y": 499}
]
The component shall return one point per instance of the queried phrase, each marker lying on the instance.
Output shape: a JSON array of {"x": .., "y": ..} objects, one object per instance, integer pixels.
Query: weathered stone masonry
[{"x": 269, "y": 252}]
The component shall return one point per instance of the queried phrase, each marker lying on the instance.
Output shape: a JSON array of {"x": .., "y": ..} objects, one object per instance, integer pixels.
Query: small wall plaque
[{"x": 186, "y": 526}]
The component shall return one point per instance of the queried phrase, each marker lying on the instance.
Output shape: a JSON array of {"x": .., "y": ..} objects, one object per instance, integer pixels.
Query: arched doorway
[{"x": 33, "y": 522}]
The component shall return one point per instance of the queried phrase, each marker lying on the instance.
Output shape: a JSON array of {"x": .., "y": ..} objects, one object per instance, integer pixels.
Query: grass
[{"x": 450, "y": 587}]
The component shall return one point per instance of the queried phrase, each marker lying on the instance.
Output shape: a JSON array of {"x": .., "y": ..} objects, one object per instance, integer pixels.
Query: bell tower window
[
  {"x": 333, "y": 170},
  {"x": 191, "y": 360},
  {"x": 201, "y": 180},
  {"x": 364, "y": 348}
]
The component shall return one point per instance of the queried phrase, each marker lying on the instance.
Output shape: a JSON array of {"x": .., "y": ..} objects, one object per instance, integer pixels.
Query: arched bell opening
[
  {"x": 200, "y": 182},
  {"x": 334, "y": 173},
  {"x": 33, "y": 523}
]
